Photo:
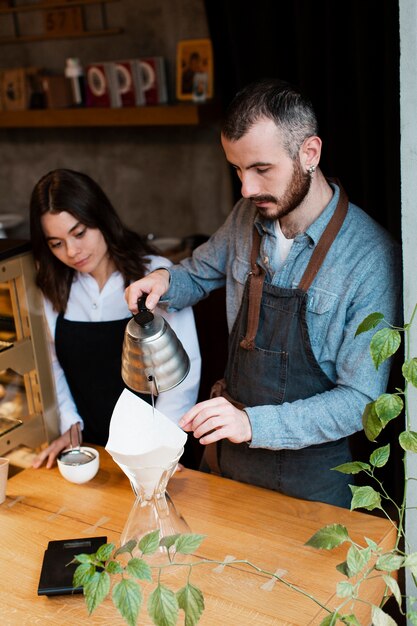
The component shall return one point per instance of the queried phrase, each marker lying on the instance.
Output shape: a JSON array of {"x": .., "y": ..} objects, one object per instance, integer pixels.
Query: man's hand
[
  {"x": 217, "y": 419},
  {"x": 155, "y": 284},
  {"x": 53, "y": 450}
]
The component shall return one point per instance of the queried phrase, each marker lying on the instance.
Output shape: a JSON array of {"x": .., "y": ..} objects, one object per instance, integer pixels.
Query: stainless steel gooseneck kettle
[{"x": 153, "y": 358}]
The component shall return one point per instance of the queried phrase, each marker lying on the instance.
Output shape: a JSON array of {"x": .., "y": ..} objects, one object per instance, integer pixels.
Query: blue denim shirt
[{"x": 361, "y": 274}]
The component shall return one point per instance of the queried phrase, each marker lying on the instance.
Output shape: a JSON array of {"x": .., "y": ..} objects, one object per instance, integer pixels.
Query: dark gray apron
[
  {"x": 90, "y": 353},
  {"x": 271, "y": 362}
]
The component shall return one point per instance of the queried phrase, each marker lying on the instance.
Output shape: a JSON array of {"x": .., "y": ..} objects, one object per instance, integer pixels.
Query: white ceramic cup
[
  {"x": 4, "y": 472},
  {"x": 80, "y": 473}
]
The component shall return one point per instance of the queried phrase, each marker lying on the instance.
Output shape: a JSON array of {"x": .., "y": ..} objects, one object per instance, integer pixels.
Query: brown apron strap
[
  {"x": 212, "y": 459},
  {"x": 257, "y": 277},
  {"x": 326, "y": 240}
]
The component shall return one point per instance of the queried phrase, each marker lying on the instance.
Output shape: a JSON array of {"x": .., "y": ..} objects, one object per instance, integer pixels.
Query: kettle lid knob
[{"x": 144, "y": 316}]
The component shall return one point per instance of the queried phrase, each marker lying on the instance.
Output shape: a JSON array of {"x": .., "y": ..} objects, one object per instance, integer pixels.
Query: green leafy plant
[
  {"x": 95, "y": 572},
  {"x": 363, "y": 563}
]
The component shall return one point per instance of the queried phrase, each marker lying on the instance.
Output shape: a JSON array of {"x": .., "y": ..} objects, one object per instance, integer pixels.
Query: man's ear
[{"x": 310, "y": 152}]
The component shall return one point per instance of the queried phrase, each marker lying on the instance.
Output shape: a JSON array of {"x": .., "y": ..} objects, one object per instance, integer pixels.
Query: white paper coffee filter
[
  {"x": 140, "y": 436},
  {"x": 145, "y": 479}
]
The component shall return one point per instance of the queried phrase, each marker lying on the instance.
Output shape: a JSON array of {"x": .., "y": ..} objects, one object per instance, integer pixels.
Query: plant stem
[{"x": 249, "y": 564}]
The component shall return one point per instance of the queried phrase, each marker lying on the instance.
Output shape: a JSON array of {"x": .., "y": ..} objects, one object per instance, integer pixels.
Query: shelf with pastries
[{"x": 180, "y": 114}]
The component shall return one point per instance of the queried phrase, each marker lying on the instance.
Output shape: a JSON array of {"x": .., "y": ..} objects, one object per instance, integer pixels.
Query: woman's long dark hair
[{"x": 78, "y": 194}]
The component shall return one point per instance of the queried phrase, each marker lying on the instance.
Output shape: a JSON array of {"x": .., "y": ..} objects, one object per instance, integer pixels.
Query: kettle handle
[{"x": 144, "y": 316}]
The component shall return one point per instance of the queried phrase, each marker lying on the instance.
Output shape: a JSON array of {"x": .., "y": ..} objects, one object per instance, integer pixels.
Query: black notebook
[{"x": 56, "y": 573}]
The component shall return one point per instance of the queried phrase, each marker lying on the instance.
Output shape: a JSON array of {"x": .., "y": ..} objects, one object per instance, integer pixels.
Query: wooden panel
[
  {"x": 239, "y": 520},
  {"x": 161, "y": 115},
  {"x": 41, "y": 6}
]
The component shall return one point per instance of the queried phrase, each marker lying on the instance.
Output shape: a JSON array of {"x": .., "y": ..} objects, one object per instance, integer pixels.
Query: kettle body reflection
[{"x": 153, "y": 358}]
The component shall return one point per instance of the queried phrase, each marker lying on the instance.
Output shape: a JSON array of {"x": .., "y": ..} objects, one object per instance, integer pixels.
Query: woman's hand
[
  {"x": 155, "y": 284},
  {"x": 53, "y": 450},
  {"x": 217, "y": 419}
]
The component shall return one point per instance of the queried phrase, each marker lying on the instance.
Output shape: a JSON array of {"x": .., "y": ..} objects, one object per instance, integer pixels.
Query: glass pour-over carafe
[{"x": 153, "y": 508}]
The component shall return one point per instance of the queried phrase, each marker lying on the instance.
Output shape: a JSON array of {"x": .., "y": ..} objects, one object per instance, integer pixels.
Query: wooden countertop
[{"x": 264, "y": 527}]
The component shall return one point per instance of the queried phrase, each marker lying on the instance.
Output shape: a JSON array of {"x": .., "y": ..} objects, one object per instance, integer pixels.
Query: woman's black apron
[
  {"x": 271, "y": 362},
  {"x": 90, "y": 353}
]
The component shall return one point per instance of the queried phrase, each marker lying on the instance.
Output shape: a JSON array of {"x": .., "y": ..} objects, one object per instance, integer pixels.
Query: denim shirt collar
[{"x": 315, "y": 230}]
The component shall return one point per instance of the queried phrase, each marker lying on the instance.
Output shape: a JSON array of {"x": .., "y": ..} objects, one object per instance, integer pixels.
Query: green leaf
[
  {"x": 138, "y": 568},
  {"x": 330, "y": 620},
  {"x": 357, "y": 559},
  {"x": 191, "y": 601},
  {"x": 344, "y": 569},
  {"x": 188, "y": 543},
  {"x": 409, "y": 370},
  {"x": 345, "y": 589},
  {"x": 354, "y": 467},
  {"x": 163, "y": 606},
  {"x": 371, "y": 321},
  {"x": 350, "y": 620},
  {"x": 127, "y": 598},
  {"x": 83, "y": 558},
  {"x": 380, "y": 456},
  {"x": 365, "y": 498},
  {"x": 380, "y": 618},
  {"x": 127, "y": 547},
  {"x": 114, "y": 567},
  {"x": 372, "y": 544},
  {"x": 394, "y": 588},
  {"x": 411, "y": 563},
  {"x": 412, "y": 617},
  {"x": 411, "y": 560},
  {"x": 408, "y": 440},
  {"x": 329, "y": 537},
  {"x": 388, "y": 406},
  {"x": 384, "y": 344},
  {"x": 371, "y": 423},
  {"x": 83, "y": 574},
  {"x": 389, "y": 562},
  {"x": 96, "y": 589},
  {"x": 149, "y": 544},
  {"x": 168, "y": 541},
  {"x": 104, "y": 552}
]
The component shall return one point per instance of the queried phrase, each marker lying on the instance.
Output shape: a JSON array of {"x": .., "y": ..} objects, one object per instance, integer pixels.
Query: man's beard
[{"x": 295, "y": 193}]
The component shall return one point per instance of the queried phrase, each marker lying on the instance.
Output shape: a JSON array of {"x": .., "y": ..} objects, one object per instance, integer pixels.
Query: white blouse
[{"x": 88, "y": 304}]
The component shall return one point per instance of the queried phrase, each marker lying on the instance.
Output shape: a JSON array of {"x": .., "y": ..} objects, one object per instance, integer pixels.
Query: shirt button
[
  {"x": 94, "y": 305},
  {"x": 311, "y": 245},
  {"x": 266, "y": 260}
]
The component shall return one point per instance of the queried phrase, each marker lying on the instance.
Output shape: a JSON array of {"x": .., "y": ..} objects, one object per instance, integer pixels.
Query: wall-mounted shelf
[
  {"x": 182, "y": 114},
  {"x": 62, "y": 19}
]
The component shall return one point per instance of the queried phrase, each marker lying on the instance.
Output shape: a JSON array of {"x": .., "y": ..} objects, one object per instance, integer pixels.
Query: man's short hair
[{"x": 277, "y": 100}]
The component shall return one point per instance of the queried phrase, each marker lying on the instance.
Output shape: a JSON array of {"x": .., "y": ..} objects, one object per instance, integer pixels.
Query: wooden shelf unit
[
  {"x": 182, "y": 114},
  {"x": 60, "y": 20}
]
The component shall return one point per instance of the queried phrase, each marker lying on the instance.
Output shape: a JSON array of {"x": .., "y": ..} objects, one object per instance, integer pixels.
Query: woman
[{"x": 85, "y": 258}]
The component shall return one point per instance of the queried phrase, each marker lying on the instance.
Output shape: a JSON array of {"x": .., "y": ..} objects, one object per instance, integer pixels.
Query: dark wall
[{"x": 349, "y": 66}]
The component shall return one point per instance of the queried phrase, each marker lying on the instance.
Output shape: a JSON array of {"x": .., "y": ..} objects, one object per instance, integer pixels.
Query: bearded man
[{"x": 302, "y": 268}]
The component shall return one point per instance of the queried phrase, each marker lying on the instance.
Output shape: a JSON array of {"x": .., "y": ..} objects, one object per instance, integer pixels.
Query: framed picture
[{"x": 194, "y": 70}]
